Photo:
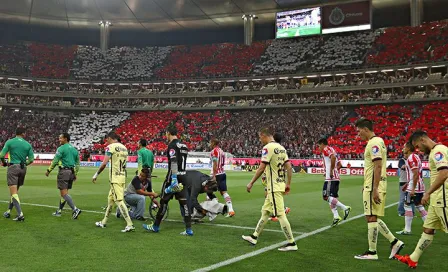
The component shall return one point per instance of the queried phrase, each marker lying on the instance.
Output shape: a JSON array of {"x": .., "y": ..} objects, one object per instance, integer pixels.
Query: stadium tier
[
  {"x": 301, "y": 128},
  {"x": 391, "y": 46}
]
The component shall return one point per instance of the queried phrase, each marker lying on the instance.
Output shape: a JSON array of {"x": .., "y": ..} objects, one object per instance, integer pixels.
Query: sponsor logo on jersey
[
  {"x": 264, "y": 152},
  {"x": 279, "y": 151},
  {"x": 438, "y": 156},
  {"x": 172, "y": 152},
  {"x": 375, "y": 150}
]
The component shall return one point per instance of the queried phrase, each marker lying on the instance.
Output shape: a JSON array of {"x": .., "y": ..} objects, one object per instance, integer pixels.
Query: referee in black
[{"x": 20, "y": 156}]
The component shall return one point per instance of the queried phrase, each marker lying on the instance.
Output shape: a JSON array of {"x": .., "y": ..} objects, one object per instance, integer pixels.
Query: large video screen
[
  {"x": 346, "y": 17},
  {"x": 297, "y": 23}
]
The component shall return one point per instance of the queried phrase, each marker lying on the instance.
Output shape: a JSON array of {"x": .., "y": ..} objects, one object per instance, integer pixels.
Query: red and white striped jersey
[
  {"x": 220, "y": 157},
  {"x": 414, "y": 162},
  {"x": 326, "y": 154}
]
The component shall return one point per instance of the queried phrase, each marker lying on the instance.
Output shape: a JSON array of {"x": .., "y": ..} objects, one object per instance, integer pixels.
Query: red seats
[
  {"x": 216, "y": 60},
  {"x": 403, "y": 45},
  {"x": 51, "y": 61}
]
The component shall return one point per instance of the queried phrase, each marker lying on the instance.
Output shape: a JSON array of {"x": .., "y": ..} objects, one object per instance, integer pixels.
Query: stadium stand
[
  {"x": 392, "y": 123},
  {"x": 42, "y": 129},
  {"x": 216, "y": 60},
  {"x": 118, "y": 63},
  {"x": 316, "y": 54},
  {"x": 88, "y": 129},
  {"x": 13, "y": 58},
  {"x": 404, "y": 45},
  {"x": 51, "y": 61}
]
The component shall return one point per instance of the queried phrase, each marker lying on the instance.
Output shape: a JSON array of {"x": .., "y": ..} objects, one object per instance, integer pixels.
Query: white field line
[
  {"x": 274, "y": 246},
  {"x": 170, "y": 220}
]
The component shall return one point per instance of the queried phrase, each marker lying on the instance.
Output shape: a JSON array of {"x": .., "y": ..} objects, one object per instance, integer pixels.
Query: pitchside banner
[
  {"x": 347, "y": 171},
  {"x": 346, "y": 17}
]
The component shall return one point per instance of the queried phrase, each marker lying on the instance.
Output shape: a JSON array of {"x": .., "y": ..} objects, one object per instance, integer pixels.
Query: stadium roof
[{"x": 151, "y": 15}]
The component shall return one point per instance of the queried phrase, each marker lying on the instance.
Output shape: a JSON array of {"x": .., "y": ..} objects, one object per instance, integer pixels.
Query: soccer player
[
  {"x": 173, "y": 185},
  {"x": 145, "y": 157},
  {"x": 437, "y": 218},
  {"x": 414, "y": 187},
  {"x": 136, "y": 192},
  {"x": 275, "y": 163},
  {"x": 198, "y": 183},
  {"x": 278, "y": 139},
  {"x": 331, "y": 185},
  {"x": 218, "y": 158},
  {"x": 374, "y": 190},
  {"x": 67, "y": 157},
  {"x": 117, "y": 155},
  {"x": 20, "y": 156}
]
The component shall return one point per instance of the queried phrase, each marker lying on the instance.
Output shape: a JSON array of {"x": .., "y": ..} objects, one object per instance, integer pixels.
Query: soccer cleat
[
  {"x": 287, "y": 210},
  {"x": 403, "y": 232},
  {"x": 273, "y": 219},
  {"x": 117, "y": 213},
  {"x": 128, "y": 229},
  {"x": 187, "y": 232},
  {"x": 336, "y": 221},
  {"x": 368, "y": 255},
  {"x": 395, "y": 248},
  {"x": 76, "y": 213},
  {"x": 57, "y": 213},
  {"x": 347, "y": 212},
  {"x": 250, "y": 239},
  {"x": 289, "y": 247},
  {"x": 406, "y": 259},
  {"x": 231, "y": 214},
  {"x": 6, "y": 215},
  {"x": 19, "y": 218},
  {"x": 151, "y": 227},
  {"x": 99, "y": 224}
]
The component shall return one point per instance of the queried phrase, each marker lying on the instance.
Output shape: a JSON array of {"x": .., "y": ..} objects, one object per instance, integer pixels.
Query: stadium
[{"x": 349, "y": 95}]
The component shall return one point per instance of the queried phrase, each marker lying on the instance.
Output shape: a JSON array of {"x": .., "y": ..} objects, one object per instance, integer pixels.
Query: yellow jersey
[
  {"x": 274, "y": 156},
  {"x": 118, "y": 157},
  {"x": 438, "y": 160},
  {"x": 375, "y": 150}
]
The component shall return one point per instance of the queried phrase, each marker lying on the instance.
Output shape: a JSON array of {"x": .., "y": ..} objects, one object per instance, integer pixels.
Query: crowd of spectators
[
  {"x": 321, "y": 53},
  {"x": 341, "y": 51},
  {"x": 406, "y": 45},
  {"x": 42, "y": 129},
  {"x": 118, "y": 63},
  {"x": 211, "y": 61}
]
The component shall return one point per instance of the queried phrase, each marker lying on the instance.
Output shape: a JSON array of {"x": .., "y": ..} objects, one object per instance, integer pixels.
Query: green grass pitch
[
  {"x": 47, "y": 243},
  {"x": 298, "y": 31}
]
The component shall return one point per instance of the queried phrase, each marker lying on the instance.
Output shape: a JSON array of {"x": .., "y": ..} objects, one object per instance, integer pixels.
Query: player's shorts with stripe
[
  {"x": 416, "y": 199},
  {"x": 437, "y": 218},
  {"x": 370, "y": 207},
  {"x": 331, "y": 188},
  {"x": 182, "y": 195},
  {"x": 116, "y": 191},
  {"x": 274, "y": 204},
  {"x": 65, "y": 179},
  {"x": 222, "y": 182},
  {"x": 16, "y": 175}
]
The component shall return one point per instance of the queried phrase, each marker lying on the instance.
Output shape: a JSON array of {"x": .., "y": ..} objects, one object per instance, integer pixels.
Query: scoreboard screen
[{"x": 296, "y": 23}]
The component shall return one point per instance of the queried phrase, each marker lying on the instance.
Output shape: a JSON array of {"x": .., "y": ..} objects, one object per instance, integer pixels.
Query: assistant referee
[
  {"x": 20, "y": 156},
  {"x": 67, "y": 157},
  {"x": 145, "y": 157}
]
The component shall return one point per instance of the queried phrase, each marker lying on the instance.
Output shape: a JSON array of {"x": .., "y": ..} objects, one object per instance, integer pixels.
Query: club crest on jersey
[
  {"x": 375, "y": 149},
  {"x": 264, "y": 152},
  {"x": 172, "y": 152},
  {"x": 438, "y": 156}
]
